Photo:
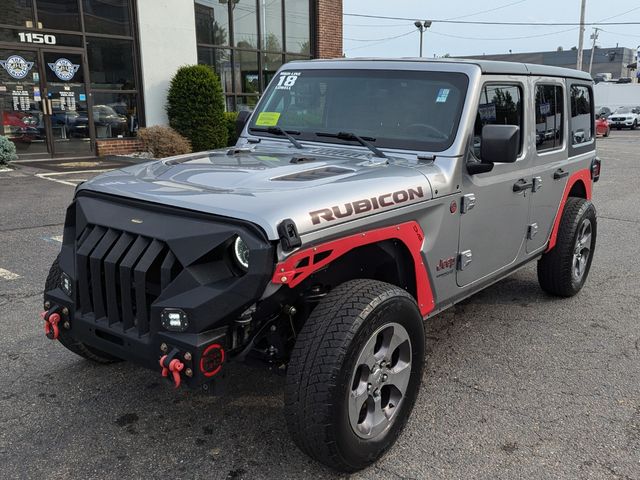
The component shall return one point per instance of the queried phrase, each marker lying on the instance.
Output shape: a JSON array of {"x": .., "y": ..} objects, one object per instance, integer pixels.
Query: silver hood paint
[{"x": 262, "y": 186}]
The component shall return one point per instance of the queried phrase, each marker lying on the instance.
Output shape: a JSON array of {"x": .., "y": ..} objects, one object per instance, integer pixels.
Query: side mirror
[
  {"x": 500, "y": 143},
  {"x": 241, "y": 121}
]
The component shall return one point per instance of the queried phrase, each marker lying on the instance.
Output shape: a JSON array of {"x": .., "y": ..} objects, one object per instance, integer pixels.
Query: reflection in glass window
[
  {"x": 499, "y": 105},
  {"x": 271, "y": 62},
  {"x": 110, "y": 63},
  {"x": 115, "y": 115},
  {"x": 581, "y": 116},
  {"x": 246, "y": 103},
  {"x": 271, "y": 27},
  {"x": 212, "y": 22},
  {"x": 245, "y": 24},
  {"x": 220, "y": 60},
  {"x": 296, "y": 19},
  {"x": 106, "y": 16},
  {"x": 247, "y": 73},
  {"x": 59, "y": 14},
  {"x": 16, "y": 12},
  {"x": 549, "y": 117}
]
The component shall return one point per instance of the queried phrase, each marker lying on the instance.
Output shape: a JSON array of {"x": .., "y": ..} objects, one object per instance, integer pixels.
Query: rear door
[{"x": 492, "y": 233}]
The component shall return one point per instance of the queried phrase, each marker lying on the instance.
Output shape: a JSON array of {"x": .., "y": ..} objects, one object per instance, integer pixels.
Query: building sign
[
  {"x": 20, "y": 100},
  {"x": 16, "y": 66},
  {"x": 37, "y": 38},
  {"x": 68, "y": 101},
  {"x": 64, "y": 69}
]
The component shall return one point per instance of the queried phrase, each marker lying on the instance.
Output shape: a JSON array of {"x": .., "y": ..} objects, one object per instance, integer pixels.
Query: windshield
[
  {"x": 623, "y": 110},
  {"x": 393, "y": 109}
]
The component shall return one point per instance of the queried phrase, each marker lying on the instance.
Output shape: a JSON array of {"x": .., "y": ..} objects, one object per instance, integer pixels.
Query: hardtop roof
[{"x": 486, "y": 66}]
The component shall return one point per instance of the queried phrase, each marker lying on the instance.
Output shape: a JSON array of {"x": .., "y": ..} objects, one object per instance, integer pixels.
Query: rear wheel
[
  {"x": 354, "y": 374},
  {"x": 563, "y": 270},
  {"x": 607, "y": 132},
  {"x": 79, "y": 348}
]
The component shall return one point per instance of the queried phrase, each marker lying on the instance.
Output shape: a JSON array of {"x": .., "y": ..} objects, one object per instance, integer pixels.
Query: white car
[{"x": 625, "y": 117}]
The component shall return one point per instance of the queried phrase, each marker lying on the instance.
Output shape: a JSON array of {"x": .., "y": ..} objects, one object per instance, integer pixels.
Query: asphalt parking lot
[{"x": 517, "y": 384}]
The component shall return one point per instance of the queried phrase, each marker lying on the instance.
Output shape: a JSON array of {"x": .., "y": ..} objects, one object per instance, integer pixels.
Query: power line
[
  {"x": 470, "y": 22},
  {"x": 503, "y": 38},
  {"x": 487, "y": 11},
  {"x": 382, "y": 41}
]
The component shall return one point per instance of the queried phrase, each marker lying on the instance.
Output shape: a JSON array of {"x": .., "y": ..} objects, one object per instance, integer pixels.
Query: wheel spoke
[
  {"x": 399, "y": 376},
  {"x": 395, "y": 341},
  {"x": 378, "y": 418}
]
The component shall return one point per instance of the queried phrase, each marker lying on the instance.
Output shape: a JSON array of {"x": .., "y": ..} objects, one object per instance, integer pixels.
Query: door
[
  {"x": 494, "y": 217},
  {"x": 549, "y": 171},
  {"x": 44, "y": 103},
  {"x": 67, "y": 108}
]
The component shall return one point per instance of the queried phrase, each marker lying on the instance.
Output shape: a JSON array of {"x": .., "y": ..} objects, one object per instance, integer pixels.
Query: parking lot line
[
  {"x": 71, "y": 182},
  {"x": 7, "y": 275}
]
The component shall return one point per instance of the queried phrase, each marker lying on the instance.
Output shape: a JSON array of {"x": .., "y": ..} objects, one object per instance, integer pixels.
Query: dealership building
[{"x": 79, "y": 77}]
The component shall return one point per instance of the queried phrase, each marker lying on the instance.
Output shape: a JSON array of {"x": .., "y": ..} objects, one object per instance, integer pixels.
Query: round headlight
[{"x": 241, "y": 251}]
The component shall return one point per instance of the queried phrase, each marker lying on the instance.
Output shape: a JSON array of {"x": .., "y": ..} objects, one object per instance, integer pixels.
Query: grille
[{"x": 120, "y": 275}]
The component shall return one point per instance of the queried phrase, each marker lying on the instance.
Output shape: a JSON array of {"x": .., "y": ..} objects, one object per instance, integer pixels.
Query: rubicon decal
[{"x": 365, "y": 205}]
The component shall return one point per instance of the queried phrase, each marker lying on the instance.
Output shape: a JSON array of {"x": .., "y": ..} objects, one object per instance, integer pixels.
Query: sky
[{"x": 369, "y": 37}]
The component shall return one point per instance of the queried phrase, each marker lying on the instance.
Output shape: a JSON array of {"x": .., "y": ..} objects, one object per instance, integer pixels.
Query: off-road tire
[
  {"x": 555, "y": 267},
  {"x": 79, "y": 348},
  {"x": 319, "y": 376}
]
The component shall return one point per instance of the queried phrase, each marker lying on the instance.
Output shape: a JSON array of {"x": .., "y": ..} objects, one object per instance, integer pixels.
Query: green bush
[
  {"x": 230, "y": 118},
  {"x": 164, "y": 141},
  {"x": 195, "y": 106},
  {"x": 7, "y": 150}
]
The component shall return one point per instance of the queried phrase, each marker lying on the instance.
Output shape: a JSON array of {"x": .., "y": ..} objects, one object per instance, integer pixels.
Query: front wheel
[
  {"x": 354, "y": 374},
  {"x": 563, "y": 270}
]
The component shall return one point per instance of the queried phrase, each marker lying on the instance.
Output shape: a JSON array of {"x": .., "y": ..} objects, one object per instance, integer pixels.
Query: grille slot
[{"x": 120, "y": 275}]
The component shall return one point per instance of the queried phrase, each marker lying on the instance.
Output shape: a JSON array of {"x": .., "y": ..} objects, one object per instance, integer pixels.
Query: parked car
[
  {"x": 353, "y": 208},
  {"x": 603, "y": 112},
  {"x": 625, "y": 117}
]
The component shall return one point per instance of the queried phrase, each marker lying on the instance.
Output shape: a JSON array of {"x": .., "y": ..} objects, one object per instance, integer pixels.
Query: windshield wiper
[
  {"x": 364, "y": 141},
  {"x": 279, "y": 131}
]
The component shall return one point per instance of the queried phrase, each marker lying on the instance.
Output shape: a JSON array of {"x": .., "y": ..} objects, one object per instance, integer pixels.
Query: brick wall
[
  {"x": 118, "y": 146},
  {"x": 329, "y": 29}
]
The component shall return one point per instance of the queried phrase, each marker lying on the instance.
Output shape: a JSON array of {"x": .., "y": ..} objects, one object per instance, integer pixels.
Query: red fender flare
[
  {"x": 583, "y": 176},
  {"x": 303, "y": 263}
]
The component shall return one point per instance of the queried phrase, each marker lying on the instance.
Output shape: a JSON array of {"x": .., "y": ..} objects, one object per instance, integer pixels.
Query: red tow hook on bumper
[
  {"x": 174, "y": 366},
  {"x": 51, "y": 321}
]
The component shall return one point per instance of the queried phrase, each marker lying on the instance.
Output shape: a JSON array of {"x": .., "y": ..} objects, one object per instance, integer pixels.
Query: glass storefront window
[
  {"x": 296, "y": 18},
  {"x": 247, "y": 73},
  {"x": 115, "y": 115},
  {"x": 246, "y": 102},
  {"x": 212, "y": 22},
  {"x": 106, "y": 16},
  {"x": 110, "y": 63},
  {"x": 271, "y": 28},
  {"x": 59, "y": 14},
  {"x": 16, "y": 12},
  {"x": 271, "y": 62},
  {"x": 245, "y": 24},
  {"x": 220, "y": 60}
]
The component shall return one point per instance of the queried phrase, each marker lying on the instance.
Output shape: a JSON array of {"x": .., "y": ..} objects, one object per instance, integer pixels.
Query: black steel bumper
[{"x": 127, "y": 262}]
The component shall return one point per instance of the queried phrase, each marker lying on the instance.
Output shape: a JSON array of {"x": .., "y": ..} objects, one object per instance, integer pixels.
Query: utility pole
[
  {"x": 581, "y": 38},
  {"x": 422, "y": 26},
  {"x": 594, "y": 36}
]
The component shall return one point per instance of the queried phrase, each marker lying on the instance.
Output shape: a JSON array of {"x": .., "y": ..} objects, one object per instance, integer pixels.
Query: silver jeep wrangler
[{"x": 362, "y": 198}]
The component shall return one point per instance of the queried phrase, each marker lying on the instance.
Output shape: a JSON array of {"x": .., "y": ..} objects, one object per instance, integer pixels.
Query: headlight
[{"x": 241, "y": 252}]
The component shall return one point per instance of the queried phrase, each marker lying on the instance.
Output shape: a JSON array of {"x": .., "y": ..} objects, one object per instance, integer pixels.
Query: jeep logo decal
[{"x": 365, "y": 205}]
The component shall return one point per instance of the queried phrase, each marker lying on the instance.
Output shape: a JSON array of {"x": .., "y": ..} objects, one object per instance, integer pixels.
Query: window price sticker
[
  {"x": 287, "y": 80},
  {"x": 443, "y": 94},
  {"x": 267, "y": 119}
]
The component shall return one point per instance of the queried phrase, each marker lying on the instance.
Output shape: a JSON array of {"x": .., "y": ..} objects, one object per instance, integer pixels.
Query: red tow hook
[
  {"x": 174, "y": 366},
  {"x": 51, "y": 321}
]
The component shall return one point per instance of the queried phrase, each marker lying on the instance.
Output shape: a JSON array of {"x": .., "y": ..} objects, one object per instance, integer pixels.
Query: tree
[{"x": 195, "y": 106}]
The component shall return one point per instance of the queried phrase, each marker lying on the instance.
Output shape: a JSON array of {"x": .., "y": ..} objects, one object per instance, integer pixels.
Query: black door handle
[
  {"x": 522, "y": 185},
  {"x": 559, "y": 173}
]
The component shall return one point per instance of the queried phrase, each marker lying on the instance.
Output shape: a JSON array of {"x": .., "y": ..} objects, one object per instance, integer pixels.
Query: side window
[
  {"x": 549, "y": 117},
  {"x": 499, "y": 105},
  {"x": 581, "y": 116}
]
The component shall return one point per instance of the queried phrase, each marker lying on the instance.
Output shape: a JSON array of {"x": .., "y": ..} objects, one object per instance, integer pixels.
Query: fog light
[
  {"x": 65, "y": 284},
  {"x": 174, "y": 320},
  {"x": 212, "y": 360}
]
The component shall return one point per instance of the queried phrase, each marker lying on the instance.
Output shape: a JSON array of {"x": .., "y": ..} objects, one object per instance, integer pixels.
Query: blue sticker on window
[
  {"x": 442, "y": 95},
  {"x": 82, "y": 97}
]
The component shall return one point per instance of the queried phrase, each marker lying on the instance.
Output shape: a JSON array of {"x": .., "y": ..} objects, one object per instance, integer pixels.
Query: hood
[{"x": 314, "y": 187}]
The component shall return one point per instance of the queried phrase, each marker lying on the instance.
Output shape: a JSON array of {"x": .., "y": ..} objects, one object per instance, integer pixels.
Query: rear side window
[
  {"x": 499, "y": 105},
  {"x": 549, "y": 117},
  {"x": 581, "y": 116}
]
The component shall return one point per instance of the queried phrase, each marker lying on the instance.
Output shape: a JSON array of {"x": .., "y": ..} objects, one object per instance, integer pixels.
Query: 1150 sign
[{"x": 43, "y": 38}]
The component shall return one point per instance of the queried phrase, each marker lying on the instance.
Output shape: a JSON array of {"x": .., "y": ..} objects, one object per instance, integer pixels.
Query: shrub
[
  {"x": 195, "y": 106},
  {"x": 7, "y": 150},
  {"x": 164, "y": 141},
  {"x": 230, "y": 118}
]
